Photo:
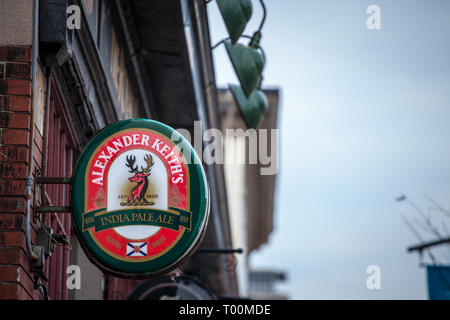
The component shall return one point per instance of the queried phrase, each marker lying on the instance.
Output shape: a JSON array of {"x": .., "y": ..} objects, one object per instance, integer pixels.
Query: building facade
[
  {"x": 251, "y": 195},
  {"x": 67, "y": 70}
]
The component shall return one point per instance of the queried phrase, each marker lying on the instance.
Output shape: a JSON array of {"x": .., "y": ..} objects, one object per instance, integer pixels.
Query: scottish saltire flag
[
  {"x": 438, "y": 282},
  {"x": 136, "y": 249}
]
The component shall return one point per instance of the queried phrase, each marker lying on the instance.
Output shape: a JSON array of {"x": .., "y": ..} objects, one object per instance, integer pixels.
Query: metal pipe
[
  {"x": 44, "y": 163},
  {"x": 29, "y": 178}
]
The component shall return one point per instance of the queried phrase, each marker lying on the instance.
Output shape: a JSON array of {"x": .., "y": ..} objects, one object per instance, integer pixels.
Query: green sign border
[{"x": 199, "y": 206}]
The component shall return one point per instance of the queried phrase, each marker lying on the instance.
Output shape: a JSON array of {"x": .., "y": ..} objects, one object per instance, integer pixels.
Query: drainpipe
[
  {"x": 44, "y": 165},
  {"x": 29, "y": 179}
]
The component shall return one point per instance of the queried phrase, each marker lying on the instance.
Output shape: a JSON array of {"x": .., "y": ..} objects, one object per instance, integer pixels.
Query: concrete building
[{"x": 251, "y": 195}]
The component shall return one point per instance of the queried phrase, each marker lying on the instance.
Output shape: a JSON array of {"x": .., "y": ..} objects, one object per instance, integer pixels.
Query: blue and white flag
[{"x": 136, "y": 249}]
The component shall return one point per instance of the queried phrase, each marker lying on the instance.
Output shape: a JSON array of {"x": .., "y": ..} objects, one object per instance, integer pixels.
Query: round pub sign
[{"x": 139, "y": 198}]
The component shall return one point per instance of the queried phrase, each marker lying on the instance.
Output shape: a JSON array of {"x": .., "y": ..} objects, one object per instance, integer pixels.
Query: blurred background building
[
  {"x": 250, "y": 194},
  {"x": 262, "y": 285}
]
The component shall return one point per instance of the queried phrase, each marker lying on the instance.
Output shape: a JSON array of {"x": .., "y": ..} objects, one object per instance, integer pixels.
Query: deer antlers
[
  {"x": 130, "y": 164},
  {"x": 131, "y": 160},
  {"x": 149, "y": 160}
]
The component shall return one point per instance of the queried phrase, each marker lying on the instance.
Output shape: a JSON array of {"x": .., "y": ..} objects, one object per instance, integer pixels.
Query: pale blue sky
[{"x": 364, "y": 116}]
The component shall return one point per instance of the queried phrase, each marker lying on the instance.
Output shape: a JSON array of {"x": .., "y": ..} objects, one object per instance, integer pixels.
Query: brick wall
[{"x": 16, "y": 281}]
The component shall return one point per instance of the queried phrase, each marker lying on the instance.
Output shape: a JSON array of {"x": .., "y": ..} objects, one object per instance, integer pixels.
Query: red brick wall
[
  {"x": 15, "y": 107},
  {"x": 118, "y": 288}
]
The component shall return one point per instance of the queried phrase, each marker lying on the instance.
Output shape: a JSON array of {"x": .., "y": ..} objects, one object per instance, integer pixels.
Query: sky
[{"x": 364, "y": 117}]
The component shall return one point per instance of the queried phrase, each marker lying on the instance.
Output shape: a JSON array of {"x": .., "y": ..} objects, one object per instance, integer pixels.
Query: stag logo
[{"x": 137, "y": 195}]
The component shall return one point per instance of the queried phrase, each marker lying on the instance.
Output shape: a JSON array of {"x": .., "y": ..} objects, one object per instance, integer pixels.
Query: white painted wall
[{"x": 236, "y": 193}]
